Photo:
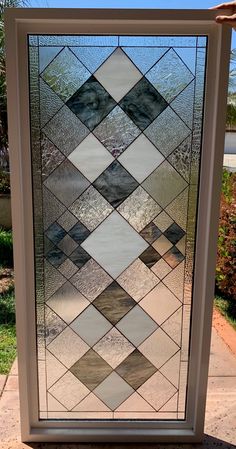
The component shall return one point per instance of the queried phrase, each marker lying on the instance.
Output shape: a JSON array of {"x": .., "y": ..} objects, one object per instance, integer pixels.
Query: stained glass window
[{"x": 116, "y": 125}]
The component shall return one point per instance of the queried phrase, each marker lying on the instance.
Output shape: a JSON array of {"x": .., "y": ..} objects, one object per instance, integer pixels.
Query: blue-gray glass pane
[
  {"x": 91, "y": 103},
  {"x": 143, "y": 104}
]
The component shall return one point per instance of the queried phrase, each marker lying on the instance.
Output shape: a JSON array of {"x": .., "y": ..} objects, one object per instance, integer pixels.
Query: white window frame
[{"x": 19, "y": 23}]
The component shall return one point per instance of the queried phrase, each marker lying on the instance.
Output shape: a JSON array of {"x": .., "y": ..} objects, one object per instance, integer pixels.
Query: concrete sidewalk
[
  {"x": 220, "y": 426},
  {"x": 230, "y": 162}
]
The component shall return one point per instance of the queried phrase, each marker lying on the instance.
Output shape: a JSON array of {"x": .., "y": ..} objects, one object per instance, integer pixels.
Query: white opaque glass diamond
[
  {"x": 136, "y": 325},
  {"x": 91, "y": 325},
  {"x": 113, "y": 390},
  {"x": 158, "y": 348},
  {"x": 160, "y": 303},
  {"x": 114, "y": 244},
  {"x": 91, "y": 157},
  {"x": 118, "y": 74},
  {"x": 141, "y": 158}
]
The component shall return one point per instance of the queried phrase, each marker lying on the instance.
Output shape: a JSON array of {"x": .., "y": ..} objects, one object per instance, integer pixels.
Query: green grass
[
  {"x": 227, "y": 308},
  {"x": 6, "y": 248},
  {"x": 7, "y": 330},
  {"x": 7, "y": 347}
]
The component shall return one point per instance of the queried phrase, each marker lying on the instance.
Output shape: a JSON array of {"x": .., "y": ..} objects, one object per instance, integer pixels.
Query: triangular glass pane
[
  {"x": 92, "y": 57},
  {"x": 183, "y": 104},
  {"x": 50, "y": 103},
  {"x": 46, "y": 55},
  {"x": 144, "y": 57},
  {"x": 188, "y": 55}
]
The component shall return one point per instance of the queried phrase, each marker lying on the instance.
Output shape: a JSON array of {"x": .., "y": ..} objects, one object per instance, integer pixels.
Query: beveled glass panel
[{"x": 116, "y": 128}]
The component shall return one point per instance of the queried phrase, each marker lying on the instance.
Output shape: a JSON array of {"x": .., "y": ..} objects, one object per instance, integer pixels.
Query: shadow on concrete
[{"x": 208, "y": 442}]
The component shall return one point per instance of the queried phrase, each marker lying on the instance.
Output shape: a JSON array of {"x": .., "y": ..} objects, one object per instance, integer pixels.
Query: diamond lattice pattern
[{"x": 114, "y": 153}]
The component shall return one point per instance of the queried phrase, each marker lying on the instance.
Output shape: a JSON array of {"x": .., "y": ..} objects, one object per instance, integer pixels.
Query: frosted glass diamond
[
  {"x": 113, "y": 390},
  {"x": 141, "y": 158},
  {"x": 118, "y": 74},
  {"x": 114, "y": 244},
  {"x": 136, "y": 325},
  {"x": 114, "y": 347},
  {"x": 91, "y": 158}
]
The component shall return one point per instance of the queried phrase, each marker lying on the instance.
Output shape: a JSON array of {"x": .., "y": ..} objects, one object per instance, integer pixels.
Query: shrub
[
  {"x": 4, "y": 182},
  {"x": 7, "y": 307},
  {"x": 227, "y": 308},
  {"x": 6, "y": 248},
  {"x": 226, "y": 254}
]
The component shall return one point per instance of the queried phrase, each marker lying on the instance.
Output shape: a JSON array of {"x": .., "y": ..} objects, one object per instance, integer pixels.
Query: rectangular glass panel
[{"x": 116, "y": 129}]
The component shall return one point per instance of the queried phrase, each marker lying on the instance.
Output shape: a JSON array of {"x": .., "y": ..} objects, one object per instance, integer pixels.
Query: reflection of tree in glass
[{"x": 4, "y": 161}]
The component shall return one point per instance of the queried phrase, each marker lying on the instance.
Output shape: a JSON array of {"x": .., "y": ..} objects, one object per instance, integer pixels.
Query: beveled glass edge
[
  {"x": 191, "y": 234},
  {"x": 114, "y": 41},
  {"x": 37, "y": 215}
]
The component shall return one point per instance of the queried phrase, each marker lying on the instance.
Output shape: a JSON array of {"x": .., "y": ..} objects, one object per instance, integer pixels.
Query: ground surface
[{"x": 220, "y": 426}]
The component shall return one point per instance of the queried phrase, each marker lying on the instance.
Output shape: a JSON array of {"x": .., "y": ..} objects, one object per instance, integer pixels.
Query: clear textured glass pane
[
  {"x": 198, "y": 113},
  {"x": 71, "y": 40},
  {"x": 158, "y": 41},
  {"x": 65, "y": 74},
  {"x": 92, "y": 57},
  {"x": 202, "y": 41},
  {"x": 170, "y": 76},
  {"x": 116, "y": 127}
]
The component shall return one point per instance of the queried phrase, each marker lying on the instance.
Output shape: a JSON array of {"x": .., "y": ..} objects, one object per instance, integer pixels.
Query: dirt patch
[
  {"x": 6, "y": 279},
  {"x": 225, "y": 331}
]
